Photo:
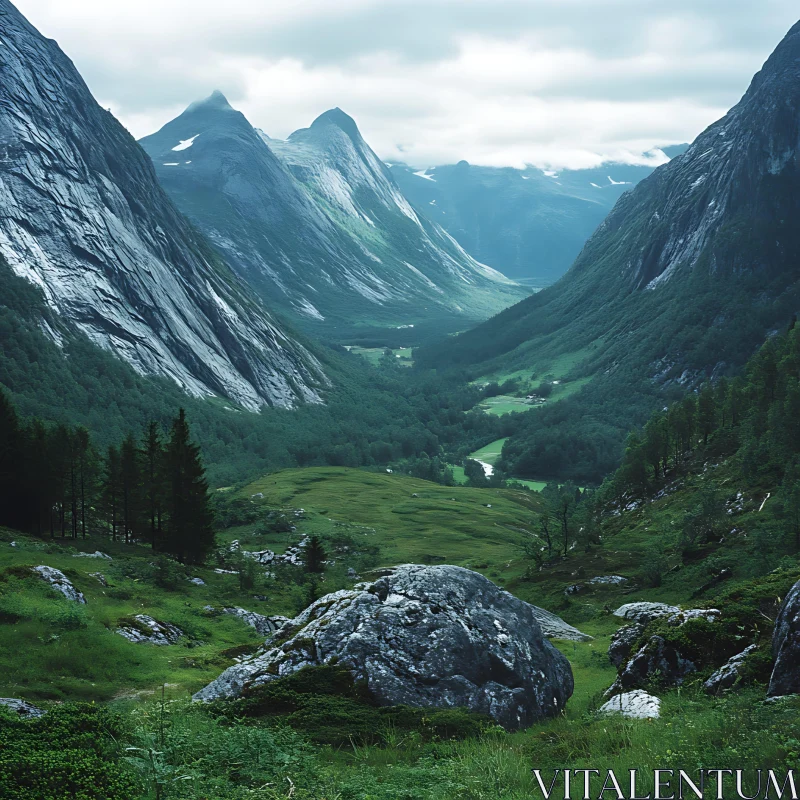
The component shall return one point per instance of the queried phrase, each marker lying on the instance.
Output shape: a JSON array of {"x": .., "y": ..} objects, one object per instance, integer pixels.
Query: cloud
[{"x": 554, "y": 83}]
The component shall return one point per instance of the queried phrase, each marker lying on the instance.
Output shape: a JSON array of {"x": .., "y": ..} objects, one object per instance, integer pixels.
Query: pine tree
[
  {"x": 131, "y": 485},
  {"x": 152, "y": 454},
  {"x": 11, "y": 466},
  {"x": 190, "y": 531},
  {"x": 314, "y": 555},
  {"x": 112, "y": 480}
]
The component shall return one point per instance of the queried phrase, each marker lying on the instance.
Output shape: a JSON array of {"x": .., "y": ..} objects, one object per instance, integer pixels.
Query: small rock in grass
[
  {"x": 634, "y": 705},
  {"x": 59, "y": 581},
  {"x": 22, "y": 707}
]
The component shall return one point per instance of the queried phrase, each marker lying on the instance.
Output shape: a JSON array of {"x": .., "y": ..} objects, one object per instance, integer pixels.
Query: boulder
[
  {"x": 197, "y": 581},
  {"x": 656, "y": 658},
  {"x": 637, "y": 704},
  {"x": 23, "y": 708},
  {"x": 608, "y": 580},
  {"x": 96, "y": 554},
  {"x": 438, "y": 636},
  {"x": 59, "y": 581},
  {"x": 644, "y": 612},
  {"x": 622, "y": 643},
  {"x": 263, "y": 625},
  {"x": 553, "y": 627},
  {"x": 144, "y": 629},
  {"x": 682, "y": 617},
  {"x": 99, "y": 577},
  {"x": 727, "y": 676},
  {"x": 785, "y": 678}
]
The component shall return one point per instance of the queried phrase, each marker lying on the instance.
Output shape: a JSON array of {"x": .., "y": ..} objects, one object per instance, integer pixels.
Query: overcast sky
[{"x": 553, "y": 83}]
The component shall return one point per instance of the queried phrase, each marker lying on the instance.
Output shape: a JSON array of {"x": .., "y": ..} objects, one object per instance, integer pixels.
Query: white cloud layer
[{"x": 552, "y": 83}]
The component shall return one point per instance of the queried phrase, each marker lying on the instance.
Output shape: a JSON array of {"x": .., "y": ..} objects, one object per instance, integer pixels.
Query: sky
[{"x": 549, "y": 83}]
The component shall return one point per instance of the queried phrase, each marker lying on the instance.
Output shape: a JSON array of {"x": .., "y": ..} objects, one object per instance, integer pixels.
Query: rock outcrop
[
  {"x": 728, "y": 675},
  {"x": 635, "y": 705},
  {"x": 644, "y": 612},
  {"x": 22, "y": 707},
  {"x": 553, "y": 627},
  {"x": 143, "y": 629},
  {"x": 263, "y": 625},
  {"x": 622, "y": 643},
  {"x": 786, "y": 647},
  {"x": 438, "y": 636},
  {"x": 59, "y": 581},
  {"x": 657, "y": 658}
]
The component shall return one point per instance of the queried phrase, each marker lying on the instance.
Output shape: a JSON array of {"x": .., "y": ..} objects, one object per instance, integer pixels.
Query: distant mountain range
[
  {"x": 529, "y": 224},
  {"x": 690, "y": 272},
  {"x": 83, "y": 217},
  {"x": 317, "y": 225}
]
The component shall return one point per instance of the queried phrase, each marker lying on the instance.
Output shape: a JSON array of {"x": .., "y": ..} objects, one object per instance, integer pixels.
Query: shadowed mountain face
[
  {"x": 530, "y": 224},
  {"x": 83, "y": 217},
  {"x": 694, "y": 266},
  {"x": 690, "y": 272},
  {"x": 317, "y": 225}
]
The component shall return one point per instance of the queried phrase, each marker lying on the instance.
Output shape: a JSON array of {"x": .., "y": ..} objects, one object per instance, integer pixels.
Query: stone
[
  {"x": 22, "y": 707},
  {"x": 622, "y": 643},
  {"x": 150, "y": 631},
  {"x": 59, "y": 581},
  {"x": 553, "y": 627},
  {"x": 99, "y": 577},
  {"x": 644, "y": 612},
  {"x": 609, "y": 580},
  {"x": 96, "y": 554},
  {"x": 637, "y": 704},
  {"x": 424, "y": 636},
  {"x": 656, "y": 657},
  {"x": 728, "y": 675},
  {"x": 682, "y": 617},
  {"x": 575, "y": 588},
  {"x": 785, "y": 677},
  {"x": 197, "y": 581},
  {"x": 263, "y": 625}
]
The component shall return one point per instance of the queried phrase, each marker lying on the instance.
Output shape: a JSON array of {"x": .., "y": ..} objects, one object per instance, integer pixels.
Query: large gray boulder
[
  {"x": 622, "y": 643},
  {"x": 729, "y": 674},
  {"x": 60, "y": 582},
  {"x": 637, "y": 704},
  {"x": 786, "y": 647},
  {"x": 657, "y": 658},
  {"x": 644, "y": 611},
  {"x": 143, "y": 629},
  {"x": 437, "y": 636}
]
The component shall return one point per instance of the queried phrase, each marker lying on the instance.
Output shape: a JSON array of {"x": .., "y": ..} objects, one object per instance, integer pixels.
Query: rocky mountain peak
[
  {"x": 215, "y": 101},
  {"x": 339, "y": 119}
]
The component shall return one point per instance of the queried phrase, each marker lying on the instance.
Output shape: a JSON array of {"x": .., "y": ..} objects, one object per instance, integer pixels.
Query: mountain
[
  {"x": 689, "y": 273},
  {"x": 83, "y": 217},
  {"x": 317, "y": 225},
  {"x": 529, "y": 224}
]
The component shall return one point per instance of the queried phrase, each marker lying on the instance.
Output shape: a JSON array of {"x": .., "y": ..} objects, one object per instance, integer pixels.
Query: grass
[
  {"x": 374, "y": 355},
  {"x": 408, "y": 519},
  {"x": 491, "y": 452}
]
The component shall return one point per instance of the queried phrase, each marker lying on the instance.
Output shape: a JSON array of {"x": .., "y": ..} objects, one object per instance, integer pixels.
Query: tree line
[{"x": 55, "y": 482}]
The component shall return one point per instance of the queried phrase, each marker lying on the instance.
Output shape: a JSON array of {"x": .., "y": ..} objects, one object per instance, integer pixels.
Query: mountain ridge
[{"x": 83, "y": 217}]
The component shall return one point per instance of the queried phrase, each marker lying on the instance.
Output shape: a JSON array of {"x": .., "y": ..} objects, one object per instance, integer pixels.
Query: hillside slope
[
  {"x": 83, "y": 217},
  {"x": 317, "y": 225},
  {"x": 684, "y": 279}
]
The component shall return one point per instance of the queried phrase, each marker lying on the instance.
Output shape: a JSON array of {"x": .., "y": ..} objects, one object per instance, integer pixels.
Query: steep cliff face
[
  {"x": 316, "y": 224},
  {"x": 83, "y": 217},
  {"x": 693, "y": 267}
]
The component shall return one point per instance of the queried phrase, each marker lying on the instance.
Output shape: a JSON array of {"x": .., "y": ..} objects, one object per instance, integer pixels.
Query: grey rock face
[
  {"x": 637, "y": 704},
  {"x": 656, "y": 659},
  {"x": 423, "y": 636},
  {"x": 622, "y": 643},
  {"x": 22, "y": 707},
  {"x": 99, "y": 577},
  {"x": 608, "y": 580},
  {"x": 785, "y": 678},
  {"x": 59, "y": 581},
  {"x": 644, "y": 612},
  {"x": 83, "y": 217},
  {"x": 728, "y": 674},
  {"x": 264, "y": 625},
  {"x": 150, "y": 631},
  {"x": 553, "y": 627},
  {"x": 96, "y": 554}
]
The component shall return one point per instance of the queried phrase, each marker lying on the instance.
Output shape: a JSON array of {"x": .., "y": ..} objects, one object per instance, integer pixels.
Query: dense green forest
[{"x": 370, "y": 416}]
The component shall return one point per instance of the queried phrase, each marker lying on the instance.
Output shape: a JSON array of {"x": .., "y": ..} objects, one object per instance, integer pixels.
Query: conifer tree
[
  {"x": 152, "y": 454},
  {"x": 314, "y": 555},
  {"x": 190, "y": 531},
  {"x": 112, "y": 480},
  {"x": 11, "y": 454},
  {"x": 131, "y": 485}
]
